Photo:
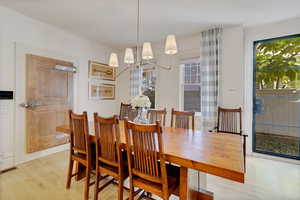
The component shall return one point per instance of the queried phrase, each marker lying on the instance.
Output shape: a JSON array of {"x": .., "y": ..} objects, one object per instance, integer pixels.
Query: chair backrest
[
  {"x": 157, "y": 115},
  {"x": 145, "y": 153},
  {"x": 124, "y": 110},
  {"x": 108, "y": 139},
  {"x": 79, "y": 137},
  {"x": 132, "y": 113},
  {"x": 229, "y": 120},
  {"x": 183, "y": 119}
]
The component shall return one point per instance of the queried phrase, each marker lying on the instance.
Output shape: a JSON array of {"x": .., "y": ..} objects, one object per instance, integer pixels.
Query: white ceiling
[{"x": 113, "y": 22}]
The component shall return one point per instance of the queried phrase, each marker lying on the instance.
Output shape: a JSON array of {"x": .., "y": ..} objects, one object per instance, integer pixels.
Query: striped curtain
[
  {"x": 135, "y": 82},
  {"x": 210, "y": 61}
]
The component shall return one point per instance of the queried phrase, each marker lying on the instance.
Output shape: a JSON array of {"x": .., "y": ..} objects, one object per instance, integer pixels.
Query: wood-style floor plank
[{"x": 45, "y": 178}]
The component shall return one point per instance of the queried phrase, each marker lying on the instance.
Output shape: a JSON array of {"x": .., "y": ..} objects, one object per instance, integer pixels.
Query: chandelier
[{"x": 145, "y": 57}]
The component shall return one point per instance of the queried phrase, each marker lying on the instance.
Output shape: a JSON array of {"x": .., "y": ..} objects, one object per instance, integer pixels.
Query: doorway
[
  {"x": 20, "y": 136},
  {"x": 276, "y": 97}
]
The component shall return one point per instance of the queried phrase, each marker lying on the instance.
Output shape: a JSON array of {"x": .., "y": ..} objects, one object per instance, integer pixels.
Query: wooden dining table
[{"x": 219, "y": 154}]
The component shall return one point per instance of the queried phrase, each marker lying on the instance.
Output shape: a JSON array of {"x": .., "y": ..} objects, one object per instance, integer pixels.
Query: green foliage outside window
[{"x": 278, "y": 64}]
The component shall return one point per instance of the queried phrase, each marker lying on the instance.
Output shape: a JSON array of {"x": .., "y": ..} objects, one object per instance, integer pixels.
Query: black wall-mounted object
[{"x": 4, "y": 95}]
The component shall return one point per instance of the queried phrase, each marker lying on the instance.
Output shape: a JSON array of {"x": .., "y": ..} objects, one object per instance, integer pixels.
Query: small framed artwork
[
  {"x": 102, "y": 91},
  {"x": 101, "y": 71}
]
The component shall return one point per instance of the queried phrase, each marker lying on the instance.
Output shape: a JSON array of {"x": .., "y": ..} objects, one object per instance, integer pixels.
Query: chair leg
[
  {"x": 97, "y": 184},
  {"x": 198, "y": 181},
  {"x": 120, "y": 189},
  {"x": 166, "y": 196},
  {"x": 70, "y": 171},
  {"x": 131, "y": 192},
  {"x": 87, "y": 183},
  {"x": 149, "y": 195}
]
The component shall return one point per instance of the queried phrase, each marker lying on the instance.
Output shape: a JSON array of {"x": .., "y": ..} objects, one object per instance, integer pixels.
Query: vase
[{"x": 141, "y": 117}]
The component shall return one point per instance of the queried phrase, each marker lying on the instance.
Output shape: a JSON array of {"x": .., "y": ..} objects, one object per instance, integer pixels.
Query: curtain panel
[{"x": 210, "y": 58}]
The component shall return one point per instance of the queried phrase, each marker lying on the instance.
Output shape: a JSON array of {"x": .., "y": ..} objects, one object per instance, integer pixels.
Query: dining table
[{"x": 219, "y": 154}]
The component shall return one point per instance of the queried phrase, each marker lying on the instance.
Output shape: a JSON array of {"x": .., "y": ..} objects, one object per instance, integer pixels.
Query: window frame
[
  {"x": 154, "y": 69},
  {"x": 182, "y": 84}
]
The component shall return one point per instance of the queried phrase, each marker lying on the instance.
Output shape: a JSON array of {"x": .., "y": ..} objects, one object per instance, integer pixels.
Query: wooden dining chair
[
  {"x": 183, "y": 119},
  {"x": 146, "y": 161},
  {"x": 124, "y": 110},
  {"x": 230, "y": 121},
  {"x": 80, "y": 148},
  {"x": 132, "y": 114},
  {"x": 157, "y": 115},
  {"x": 109, "y": 158}
]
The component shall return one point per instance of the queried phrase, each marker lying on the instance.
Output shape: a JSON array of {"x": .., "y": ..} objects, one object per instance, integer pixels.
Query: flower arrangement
[{"x": 140, "y": 101}]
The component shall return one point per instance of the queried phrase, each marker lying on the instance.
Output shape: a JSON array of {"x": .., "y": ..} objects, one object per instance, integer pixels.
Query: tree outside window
[{"x": 278, "y": 64}]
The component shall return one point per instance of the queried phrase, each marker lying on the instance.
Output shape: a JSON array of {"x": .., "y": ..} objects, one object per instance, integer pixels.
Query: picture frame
[
  {"x": 101, "y": 71},
  {"x": 102, "y": 91}
]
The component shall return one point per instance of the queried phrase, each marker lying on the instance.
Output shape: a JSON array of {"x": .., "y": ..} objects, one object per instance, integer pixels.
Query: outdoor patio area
[{"x": 286, "y": 145}]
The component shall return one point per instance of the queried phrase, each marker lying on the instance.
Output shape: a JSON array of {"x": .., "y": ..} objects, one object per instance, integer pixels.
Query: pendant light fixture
[
  {"x": 113, "y": 60},
  {"x": 147, "y": 53},
  {"x": 129, "y": 57},
  {"x": 147, "y": 57},
  {"x": 171, "y": 46}
]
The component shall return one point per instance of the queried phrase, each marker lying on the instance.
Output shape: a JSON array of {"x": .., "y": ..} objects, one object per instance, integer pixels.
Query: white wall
[
  {"x": 18, "y": 29},
  {"x": 252, "y": 34},
  {"x": 168, "y": 83},
  {"x": 231, "y": 73}
]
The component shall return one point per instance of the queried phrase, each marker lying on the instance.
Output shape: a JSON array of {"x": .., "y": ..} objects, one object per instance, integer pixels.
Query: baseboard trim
[
  {"x": 7, "y": 170},
  {"x": 26, "y": 157},
  {"x": 7, "y": 163},
  {"x": 275, "y": 158}
]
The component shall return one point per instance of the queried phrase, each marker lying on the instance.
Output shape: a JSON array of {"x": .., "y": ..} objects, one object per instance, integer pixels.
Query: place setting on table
[{"x": 138, "y": 145}]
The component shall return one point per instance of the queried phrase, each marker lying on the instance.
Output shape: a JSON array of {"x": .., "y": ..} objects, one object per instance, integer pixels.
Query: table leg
[
  {"x": 81, "y": 171},
  {"x": 202, "y": 180},
  {"x": 183, "y": 189},
  {"x": 185, "y": 192},
  {"x": 200, "y": 192}
]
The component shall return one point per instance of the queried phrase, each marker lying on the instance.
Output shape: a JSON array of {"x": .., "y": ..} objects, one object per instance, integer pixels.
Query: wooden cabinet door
[{"x": 49, "y": 92}]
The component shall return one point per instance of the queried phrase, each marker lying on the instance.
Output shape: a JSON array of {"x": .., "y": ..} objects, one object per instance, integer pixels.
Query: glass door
[{"x": 276, "y": 113}]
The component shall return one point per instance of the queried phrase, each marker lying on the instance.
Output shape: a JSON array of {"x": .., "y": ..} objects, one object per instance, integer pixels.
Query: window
[
  {"x": 276, "y": 97},
  {"x": 191, "y": 85},
  {"x": 148, "y": 84}
]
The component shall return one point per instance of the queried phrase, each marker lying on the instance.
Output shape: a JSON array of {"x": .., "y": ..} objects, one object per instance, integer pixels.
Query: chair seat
[
  {"x": 113, "y": 170},
  {"x": 173, "y": 173},
  {"x": 82, "y": 158}
]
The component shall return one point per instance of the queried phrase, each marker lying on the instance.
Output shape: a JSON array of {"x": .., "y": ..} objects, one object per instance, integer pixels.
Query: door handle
[
  {"x": 24, "y": 105},
  {"x": 27, "y": 105},
  {"x": 30, "y": 105}
]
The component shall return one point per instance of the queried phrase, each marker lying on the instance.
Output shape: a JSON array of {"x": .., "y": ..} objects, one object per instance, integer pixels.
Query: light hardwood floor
[{"x": 44, "y": 179}]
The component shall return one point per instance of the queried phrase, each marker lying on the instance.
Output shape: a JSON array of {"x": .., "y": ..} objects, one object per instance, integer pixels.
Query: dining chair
[
  {"x": 230, "y": 121},
  {"x": 146, "y": 161},
  {"x": 110, "y": 159},
  {"x": 80, "y": 148},
  {"x": 154, "y": 115},
  {"x": 132, "y": 113},
  {"x": 124, "y": 110},
  {"x": 183, "y": 119}
]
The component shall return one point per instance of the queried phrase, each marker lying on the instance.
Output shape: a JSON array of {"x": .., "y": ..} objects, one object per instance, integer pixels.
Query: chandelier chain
[{"x": 138, "y": 31}]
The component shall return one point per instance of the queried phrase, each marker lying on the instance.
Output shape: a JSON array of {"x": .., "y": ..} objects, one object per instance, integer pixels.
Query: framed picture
[
  {"x": 101, "y": 71},
  {"x": 101, "y": 91}
]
